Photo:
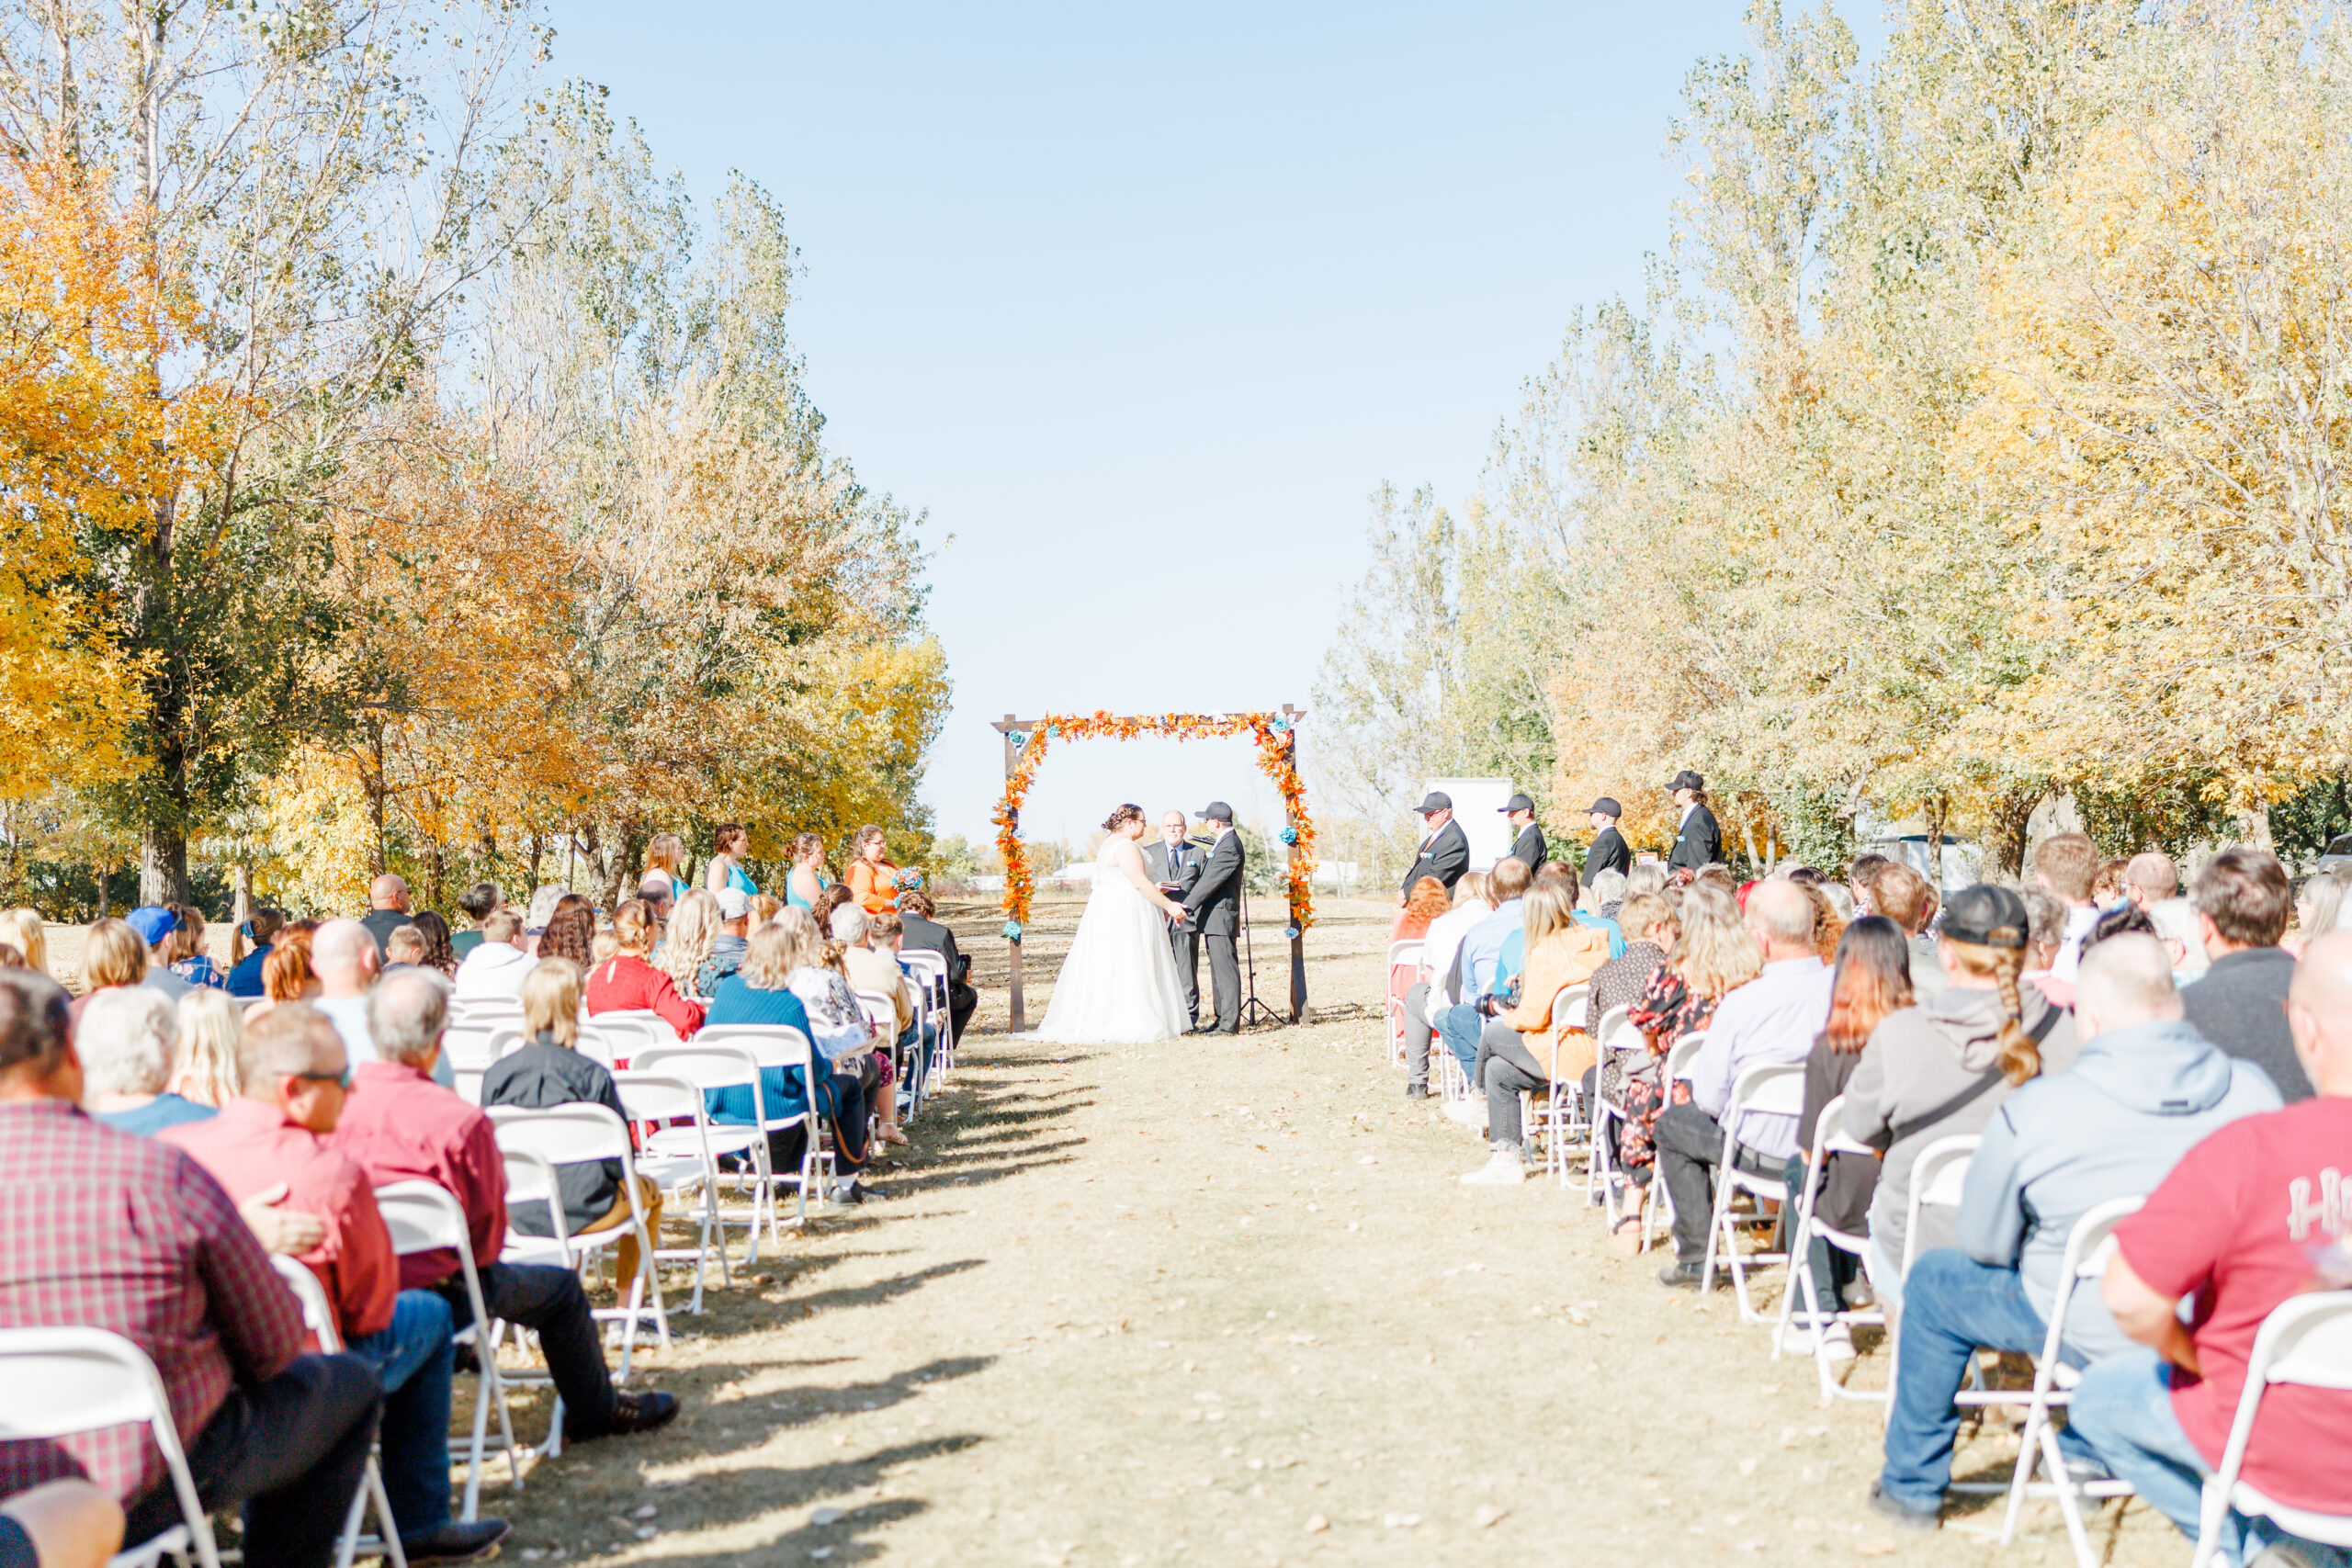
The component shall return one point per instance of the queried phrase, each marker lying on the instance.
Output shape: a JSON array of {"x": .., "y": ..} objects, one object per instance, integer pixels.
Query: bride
[{"x": 1118, "y": 985}]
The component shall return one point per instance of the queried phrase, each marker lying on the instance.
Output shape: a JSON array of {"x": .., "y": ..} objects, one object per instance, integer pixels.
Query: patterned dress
[{"x": 1666, "y": 1011}]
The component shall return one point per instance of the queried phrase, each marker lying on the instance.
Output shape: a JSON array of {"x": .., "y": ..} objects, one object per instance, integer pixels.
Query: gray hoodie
[
  {"x": 2137, "y": 1100},
  {"x": 1918, "y": 1059}
]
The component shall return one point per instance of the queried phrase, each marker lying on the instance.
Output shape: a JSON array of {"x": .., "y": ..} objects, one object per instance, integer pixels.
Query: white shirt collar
[{"x": 1688, "y": 809}]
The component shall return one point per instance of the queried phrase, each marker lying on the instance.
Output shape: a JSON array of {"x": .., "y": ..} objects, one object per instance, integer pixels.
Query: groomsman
[
  {"x": 1445, "y": 848},
  {"x": 1528, "y": 848},
  {"x": 1607, "y": 851},
  {"x": 1698, "y": 842},
  {"x": 1215, "y": 906},
  {"x": 1176, "y": 867}
]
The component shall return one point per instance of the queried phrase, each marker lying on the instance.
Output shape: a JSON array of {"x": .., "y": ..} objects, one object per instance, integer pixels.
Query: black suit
[
  {"x": 1445, "y": 855},
  {"x": 1182, "y": 939},
  {"x": 930, "y": 936},
  {"x": 1215, "y": 906},
  {"x": 1528, "y": 850},
  {"x": 1608, "y": 852},
  {"x": 1699, "y": 842}
]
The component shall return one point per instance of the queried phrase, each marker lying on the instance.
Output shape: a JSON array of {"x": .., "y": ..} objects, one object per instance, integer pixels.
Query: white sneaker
[
  {"x": 1503, "y": 1169},
  {"x": 1838, "y": 1342},
  {"x": 1470, "y": 1113}
]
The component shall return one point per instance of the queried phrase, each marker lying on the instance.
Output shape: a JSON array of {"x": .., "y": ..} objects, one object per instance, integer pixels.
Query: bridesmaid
[
  {"x": 807, "y": 878},
  {"x": 725, "y": 870},
  {"x": 873, "y": 880}
]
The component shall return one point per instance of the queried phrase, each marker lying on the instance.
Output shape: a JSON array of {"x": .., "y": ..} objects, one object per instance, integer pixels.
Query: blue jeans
[
  {"x": 414, "y": 1358},
  {"x": 1460, "y": 1027},
  {"x": 2124, "y": 1409},
  {"x": 1952, "y": 1306}
]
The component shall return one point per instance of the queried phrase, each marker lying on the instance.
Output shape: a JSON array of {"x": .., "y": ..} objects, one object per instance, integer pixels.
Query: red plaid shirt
[{"x": 101, "y": 1229}]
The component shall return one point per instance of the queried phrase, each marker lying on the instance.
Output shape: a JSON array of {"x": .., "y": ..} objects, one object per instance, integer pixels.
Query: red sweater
[{"x": 625, "y": 982}]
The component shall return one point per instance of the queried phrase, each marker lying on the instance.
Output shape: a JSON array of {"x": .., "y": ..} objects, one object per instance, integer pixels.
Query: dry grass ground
[{"x": 1222, "y": 1302}]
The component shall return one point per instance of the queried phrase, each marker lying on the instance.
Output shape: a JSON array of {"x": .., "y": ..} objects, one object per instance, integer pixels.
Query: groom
[
  {"x": 1215, "y": 907},
  {"x": 1176, "y": 867}
]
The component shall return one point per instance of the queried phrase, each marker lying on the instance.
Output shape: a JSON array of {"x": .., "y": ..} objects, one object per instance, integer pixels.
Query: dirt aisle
[{"x": 1222, "y": 1302}]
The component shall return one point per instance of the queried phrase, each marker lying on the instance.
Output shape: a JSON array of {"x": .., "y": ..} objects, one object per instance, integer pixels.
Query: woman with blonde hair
[
  {"x": 1943, "y": 1066},
  {"x": 761, "y": 993},
  {"x": 694, "y": 925},
  {"x": 667, "y": 855},
  {"x": 23, "y": 928},
  {"x": 2318, "y": 911},
  {"x": 204, "y": 1069},
  {"x": 807, "y": 878},
  {"x": 189, "y": 961},
  {"x": 1518, "y": 1048},
  {"x": 112, "y": 955},
  {"x": 628, "y": 981},
  {"x": 764, "y": 907},
  {"x": 548, "y": 1070}
]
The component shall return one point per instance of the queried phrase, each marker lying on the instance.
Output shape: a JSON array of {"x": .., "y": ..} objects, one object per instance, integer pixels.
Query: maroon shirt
[
  {"x": 102, "y": 1229},
  {"x": 401, "y": 1126}
]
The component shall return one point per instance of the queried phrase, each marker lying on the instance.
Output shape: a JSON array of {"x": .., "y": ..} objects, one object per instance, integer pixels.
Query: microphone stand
[{"x": 1253, "y": 1011}]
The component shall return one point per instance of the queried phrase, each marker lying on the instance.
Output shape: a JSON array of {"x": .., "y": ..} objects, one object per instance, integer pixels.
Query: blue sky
[{"x": 1140, "y": 304}]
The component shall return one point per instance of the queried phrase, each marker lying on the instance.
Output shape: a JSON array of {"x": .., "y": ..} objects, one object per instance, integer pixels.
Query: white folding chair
[
  {"x": 531, "y": 1179},
  {"x": 712, "y": 1065},
  {"x": 2089, "y": 1246},
  {"x": 1938, "y": 1178},
  {"x": 468, "y": 1045},
  {"x": 677, "y": 1152},
  {"x": 576, "y": 1134},
  {"x": 2306, "y": 1340},
  {"x": 1826, "y": 1141},
  {"x": 319, "y": 1318},
  {"x": 424, "y": 1217},
  {"x": 1767, "y": 1088},
  {"x": 482, "y": 1012},
  {"x": 1561, "y": 1118},
  {"x": 1399, "y": 952},
  {"x": 930, "y": 972},
  {"x": 1676, "y": 1069},
  {"x": 781, "y": 1045},
  {"x": 55, "y": 1382},
  {"x": 629, "y": 1034},
  {"x": 466, "y": 1082},
  {"x": 1602, "y": 1179}
]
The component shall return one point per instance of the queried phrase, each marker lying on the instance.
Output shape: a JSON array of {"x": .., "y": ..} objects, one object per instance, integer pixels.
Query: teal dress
[
  {"x": 738, "y": 881},
  {"x": 793, "y": 900}
]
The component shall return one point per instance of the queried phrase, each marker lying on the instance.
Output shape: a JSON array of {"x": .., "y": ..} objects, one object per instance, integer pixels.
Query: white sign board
[{"x": 1478, "y": 807}]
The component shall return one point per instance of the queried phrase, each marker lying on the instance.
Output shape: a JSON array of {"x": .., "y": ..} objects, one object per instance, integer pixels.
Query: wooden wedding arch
[{"x": 1276, "y": 734}]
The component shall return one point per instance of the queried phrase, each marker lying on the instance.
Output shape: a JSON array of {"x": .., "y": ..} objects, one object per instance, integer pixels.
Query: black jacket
[
  {"x": 1213, "y": 906},
  {"x": 543, "y": 1074},
  {"x": 1185, "y": 874},
  {"x": 930, "y": 936},
  {"x": 1699, "y": 842},
  {"x": 1608, "y": 852},
  {"x": 1446, "y": 856},
  {"x": 2239, "y": 1005},
  {"x": 1529, "y": 848}
]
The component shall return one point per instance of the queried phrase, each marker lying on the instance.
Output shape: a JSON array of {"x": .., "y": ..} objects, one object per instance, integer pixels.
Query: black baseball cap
[
  {"x": 1986, "y": 916},
  {"x": 1217, "y": 811},
  {"x": 1606, "y": 807},
  {"x": 1686, "y": 779},
  {"x": 1436, "y": 800},
  {"x": 1517, "y": 803}
]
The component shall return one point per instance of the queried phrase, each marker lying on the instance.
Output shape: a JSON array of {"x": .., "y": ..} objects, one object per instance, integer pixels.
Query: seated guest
[
  {"x": 274, "y": 1134},
  {"x": 113, "y": 955},
  {"x": 2045, "y": 918},
  {"x": 1942, "y": 1068},
  {"x": 727, "y": 943},
  {"x": 105, "y": 1230},
  {"x": 549, "y": 1070},
  {"x": 628, "y": 981},
  {"x": 1480, "y": 957},
  {"x": 406, "y": 948},
  {"x": 1518, "y": 1049},
  {"x": 401, "y": 1126},
  {"x": 127, "y": 1040},
  {"x": 1902, "y": 896},
  {"x": 2243, "y": 906},
  {"x": 872, "y": 971},
  {"x": 2067, "y": 864},
  {"x": 1601, "y": 903},
  {"x": 204, "y": 1067},
  {"x": 2159, "y": 1415},
  {"x": 689, "y": 935},
  {"x": 1438, "y": 986},
  {"x": 23, "y": 928},
  {"x": 2145, "y": 1089},
  {"x": 2150, "y": 878},
  {"x": 1713, "y": 954},
  {"x": 286, "y": 976},
  {"x": 922, "y": 931},
  {"x": 761, "y": 993},
  {"x": 2177, "y": 926},
  {"x": 476, "y": 903},
  {"x": 244, "y": 972},
  {"x": 189, "y": 961},
  {"x": 499, "y": 961},
  {"x": 1871, "y": 980},
  {"x": 346, "y": 956},
  {"x": 571, "y": 934},
  {"x": 1424, "y": 903},
  {"x": 1774, "y": 1018},
  {"x": 158, "y": 926},
  {"x": 838, "y": 1026}
]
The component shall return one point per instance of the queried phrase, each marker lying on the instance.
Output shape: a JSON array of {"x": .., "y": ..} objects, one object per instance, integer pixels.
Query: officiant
[{"x": 1176, "y": 867}]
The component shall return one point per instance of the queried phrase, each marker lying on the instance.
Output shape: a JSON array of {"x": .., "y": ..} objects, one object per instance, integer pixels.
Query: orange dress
[{"x": 874, "y": 887}]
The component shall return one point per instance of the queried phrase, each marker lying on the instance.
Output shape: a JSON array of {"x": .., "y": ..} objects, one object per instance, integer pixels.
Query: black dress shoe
[
  {"x": 632, "y": 1413},
  {"x": 1417, "y": 1091},
  {"x": 1681, "y": 1275},
  {"x": 1233, "y": 1031},
  {"x": 456, "y": 1542}
]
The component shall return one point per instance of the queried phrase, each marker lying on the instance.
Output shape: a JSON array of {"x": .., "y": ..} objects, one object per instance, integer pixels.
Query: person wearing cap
[
  {"x": 1698, "y": 842},
  {"x": 1607, "y": 851},
  {"x": 1528, "y": 848},
  {"x": 2145, "y": 1088},
  {"x": 1214, "y": 908},
  {"x": 732, "y": 940},
  {"x": 1445, "y": 848},
  {"x": 155, "y": 924}
]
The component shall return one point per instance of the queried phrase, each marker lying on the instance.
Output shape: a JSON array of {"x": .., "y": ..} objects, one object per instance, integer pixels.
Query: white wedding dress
[{"x": 1118, "y": 985}]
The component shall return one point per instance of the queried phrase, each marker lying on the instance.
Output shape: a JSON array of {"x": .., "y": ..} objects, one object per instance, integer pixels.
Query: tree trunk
[
  {"x": 163, "y": 866},
  {"x": 1936, "y": 814},
  {"x": 240, "y": 907},
  {"x": 2005, "y": 844}
]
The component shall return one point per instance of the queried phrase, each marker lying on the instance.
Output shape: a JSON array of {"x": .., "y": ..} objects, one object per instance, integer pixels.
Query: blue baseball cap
[{"x": 154, "y": 922}]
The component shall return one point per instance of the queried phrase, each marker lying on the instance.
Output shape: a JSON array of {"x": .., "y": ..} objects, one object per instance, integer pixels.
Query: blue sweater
[{"x": 737, "y": 1001}]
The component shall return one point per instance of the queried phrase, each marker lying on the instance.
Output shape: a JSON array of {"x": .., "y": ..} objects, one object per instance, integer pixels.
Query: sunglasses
[{"x": 341, "y": 1079}]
